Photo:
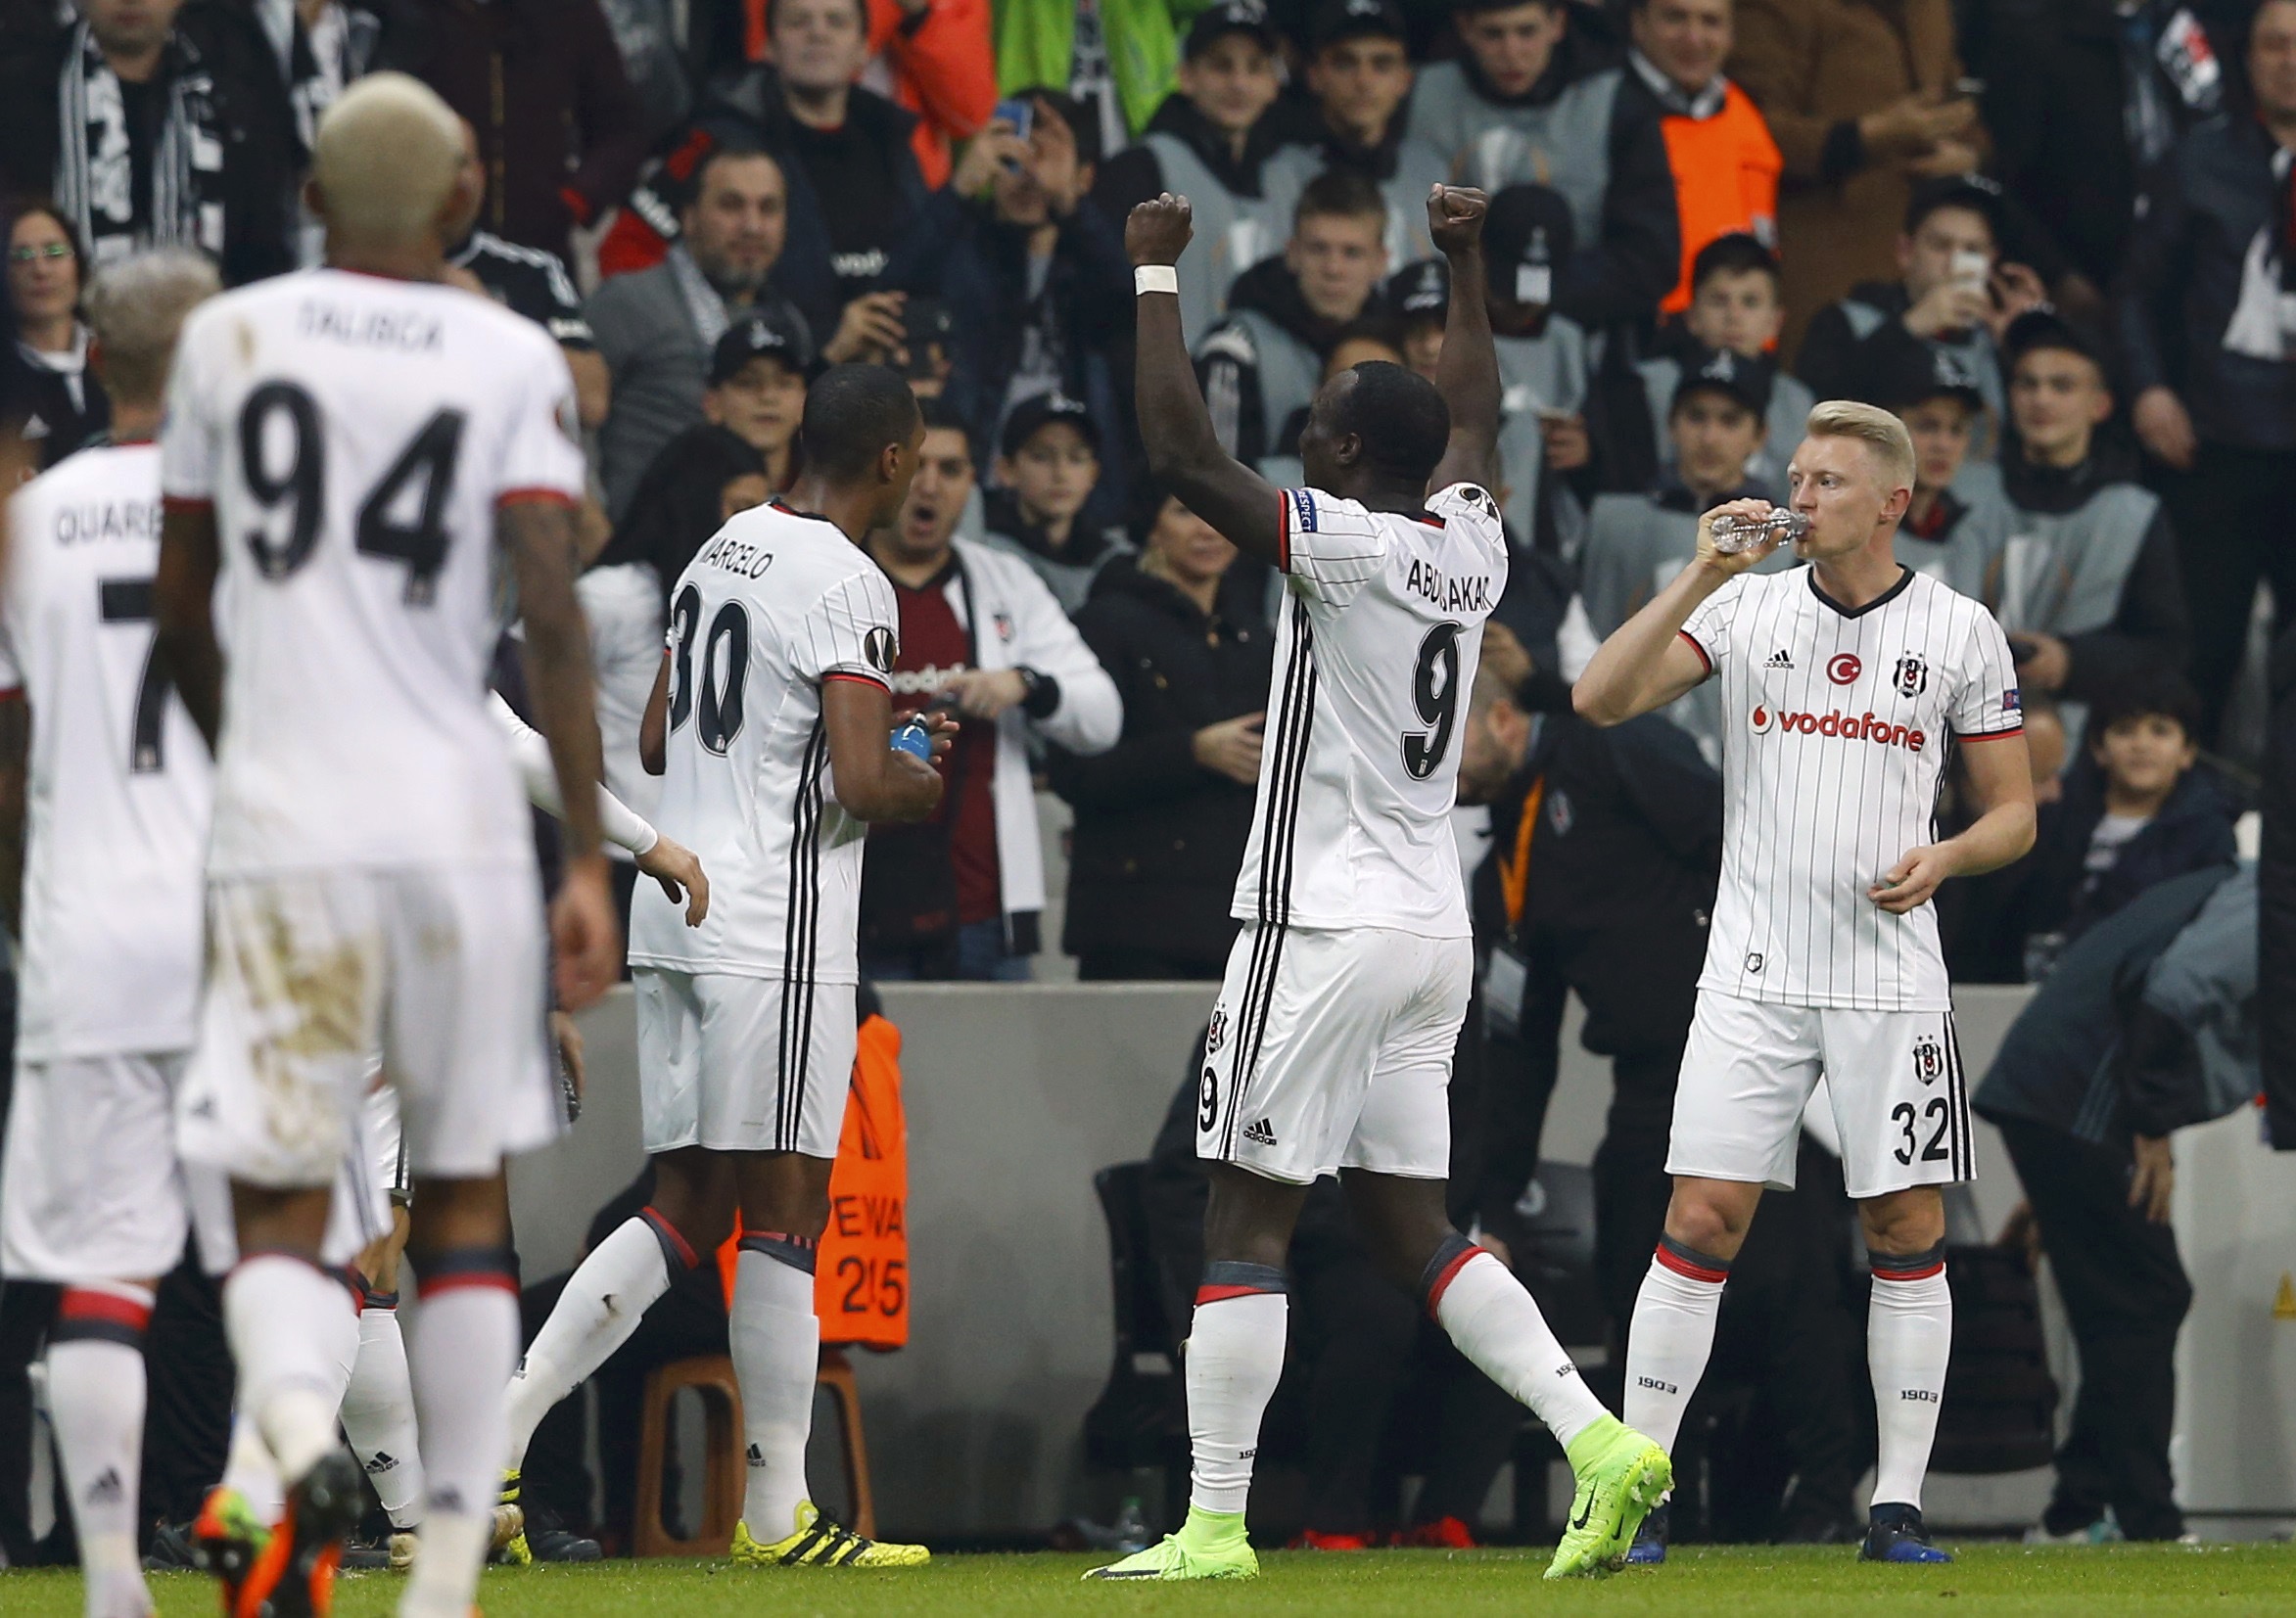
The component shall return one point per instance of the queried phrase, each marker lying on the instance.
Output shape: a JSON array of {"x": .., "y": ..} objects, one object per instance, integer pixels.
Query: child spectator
[
  {"x": 1047, "y": 468},
  {"x": 1421, "y": 295},
  {"x": 1543, "y": 366},
  {"x": 1958, "y": 520},
  {"x": 1737, "y": 305},
  {"x": 756, "y": 391}
]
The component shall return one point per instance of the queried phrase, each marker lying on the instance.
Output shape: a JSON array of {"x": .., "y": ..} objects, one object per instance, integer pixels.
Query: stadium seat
[{"x": 724, "y": 1477}]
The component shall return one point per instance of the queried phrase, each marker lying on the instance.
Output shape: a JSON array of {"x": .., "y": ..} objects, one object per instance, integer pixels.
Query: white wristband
[{"x": 1147, "y": 278}]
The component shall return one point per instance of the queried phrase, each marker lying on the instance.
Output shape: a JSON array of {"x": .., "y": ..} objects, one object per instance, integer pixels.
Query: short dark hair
[
  {"x": 733, "y": 151},
  {"x": 2141, "y": 693},
  {"x": 940, "y": 416},
  {"x": 851, "y": 414},
  {"x": 1401, "y": 418},
  {"x": 1340, "y": 194},
  {"x": 1737, "y": 253},
  {"x": 860, "y": 9}
]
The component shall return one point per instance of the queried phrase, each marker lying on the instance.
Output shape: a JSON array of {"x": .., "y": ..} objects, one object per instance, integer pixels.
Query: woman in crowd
[{"x": 44, "y": 267}]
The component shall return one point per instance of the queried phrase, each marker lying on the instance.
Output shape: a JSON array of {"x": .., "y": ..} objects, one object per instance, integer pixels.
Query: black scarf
[{"x": 95, "y": 163}]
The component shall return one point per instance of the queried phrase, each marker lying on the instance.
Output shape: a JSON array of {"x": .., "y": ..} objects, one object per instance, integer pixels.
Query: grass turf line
[{"x": 2090, "y": 1583}]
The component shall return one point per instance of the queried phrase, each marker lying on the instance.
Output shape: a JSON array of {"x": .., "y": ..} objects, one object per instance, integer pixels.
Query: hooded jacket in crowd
[
  {"x": 1404, "y": 168},
  {"x": 1183, "y": 152},
  {"x": 1262, "y": 367}
]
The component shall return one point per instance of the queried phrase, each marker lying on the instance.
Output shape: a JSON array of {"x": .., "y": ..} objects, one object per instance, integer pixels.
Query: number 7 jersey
[
  {"x": 1376, "y": 652},
  {"x": 772, "y": 609},
  {"x": 356, "y": 437}
]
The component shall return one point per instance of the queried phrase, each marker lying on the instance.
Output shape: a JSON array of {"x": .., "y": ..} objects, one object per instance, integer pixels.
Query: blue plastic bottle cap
[{"x": 914, "y": 738}]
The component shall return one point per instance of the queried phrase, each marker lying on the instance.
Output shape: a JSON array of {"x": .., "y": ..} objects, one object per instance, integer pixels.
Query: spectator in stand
[
  {"x": 1865, "y": 101},
  {"x": 1952, "y": 293},
  {"x": 1956, "y": 527},
  {"x": 756, "y": 391},
  {"x": 1261, "y": 367},
  {"x": 658, "y": 327},
  {"x": 1360, "y": 76},
  {"x": 1534, "y": 102},
  {"x": 1725, "y": 164},
  {"x": 960, "y": 896},
  {"x": 1737, "y": 305},
  {"x": 2086, "y": 586},
  {"x": 1211, "y": 143},
  {"x": 1162, "y": 817},
  {"x": 1050, "y": 463},
  {"x": 180, "y": 135},
  {"x": 2211, "y": 353},
  {"x": 1544, "y": 365},
  {"x": 1031, "y": 269},
  {"x": 559, "y": 129},
  {"x": 1419, "y": 295},
  {"x": 68, "y": 405},
  {"x": 2084, "y": 98}
]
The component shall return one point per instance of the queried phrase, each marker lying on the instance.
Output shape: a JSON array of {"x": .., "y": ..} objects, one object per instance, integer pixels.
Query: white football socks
[
  {"x": 1497, "y": 1324},
  {"x": 594, "y": 1315},
  {"x": 96, "y": 1401},
  {"x": 777, "y": 1340},
  {"x": 1235, "y": 1358},
  {"x": 1908, "y": 1340},
  {"x": 464, "y": 1344},
  {"x": 378, "y": 1413},
  {"x": 294, "y": 1335},
  {"x": 1671, "y": 1336}
]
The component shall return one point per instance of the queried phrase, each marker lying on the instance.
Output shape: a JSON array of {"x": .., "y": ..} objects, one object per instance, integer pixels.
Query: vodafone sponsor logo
[
  {"x": 1847, "y": 727},
  {"x": 929, "y": 681}
]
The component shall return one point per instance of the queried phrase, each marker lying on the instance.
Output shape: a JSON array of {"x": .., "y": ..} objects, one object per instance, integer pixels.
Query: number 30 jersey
[
  {"x": 1381, "y": 635},
  {"x": 119, "y": 781},
  {"x": 769, "y": 611},
  {"x": 356, "y": 437}
]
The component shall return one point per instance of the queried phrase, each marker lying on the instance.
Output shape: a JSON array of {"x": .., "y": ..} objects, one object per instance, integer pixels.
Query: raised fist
[
  {"x": 1158, "y": 230},
  {"x": 1454, "y": 217}
]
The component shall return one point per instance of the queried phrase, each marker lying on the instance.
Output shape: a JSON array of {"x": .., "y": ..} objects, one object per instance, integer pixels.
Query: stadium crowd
[{"x": 2055, "y": 236}]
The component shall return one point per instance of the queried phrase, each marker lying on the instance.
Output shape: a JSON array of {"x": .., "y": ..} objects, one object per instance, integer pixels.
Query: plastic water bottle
[
  {"x": 914, "y": 738},
  {"x": 1131, "y": 1527},
  {"x": 1733, "y": 534}
]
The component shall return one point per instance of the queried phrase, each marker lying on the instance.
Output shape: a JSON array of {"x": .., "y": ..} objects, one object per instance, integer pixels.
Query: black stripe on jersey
[
  {"x": 1295, "y": 724},
  {"x": 800, "y": 941},
  {"x": 1251, "y": 1022},
  {"x": 1964, "y": 1164}
]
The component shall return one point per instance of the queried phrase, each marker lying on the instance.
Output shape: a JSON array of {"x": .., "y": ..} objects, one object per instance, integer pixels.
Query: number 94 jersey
[
  {"x": 774, "y": 606},
  {"x": 356, "y": 437},
  {"x": 1375, "y": 653}
]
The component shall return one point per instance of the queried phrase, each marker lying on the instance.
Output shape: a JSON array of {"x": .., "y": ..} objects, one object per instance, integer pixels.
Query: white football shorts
[
  {"x": 1899, "y": 1098},
  {"x": 90, "y": 1188},
  {"x": 440, "y": 969},
  {"x": 1333, "y": 1049},
  {"x": 742, "y": 1064}
]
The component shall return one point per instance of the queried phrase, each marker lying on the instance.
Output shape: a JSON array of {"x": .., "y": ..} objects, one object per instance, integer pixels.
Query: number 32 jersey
[
  {"x": 1375, "y": 653},
  {"x": 356, "y": 437},
  {"x": 769, "y": 611}
]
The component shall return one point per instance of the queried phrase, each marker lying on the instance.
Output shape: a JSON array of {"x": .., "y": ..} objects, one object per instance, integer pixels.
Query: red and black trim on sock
[
  {"x": 1452, "y": 1255},
  {"x": 1227, "y": 1279},
  {"x": 88, "y": 1314},
  {"x": 1906, "y": 1267},
  {"x": 676, "y": 1252},
  {"x": 1687, "y": 1261},
  {"x": 799, "y": 1253},
  {"x": 355, "y": 1282},
  {"x": 452, "y": 1269},
  {"x": 371, "y": 1299}
]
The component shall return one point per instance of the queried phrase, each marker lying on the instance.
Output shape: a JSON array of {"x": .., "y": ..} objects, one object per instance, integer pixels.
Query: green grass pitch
[{"x": 1699, "y": 1582}]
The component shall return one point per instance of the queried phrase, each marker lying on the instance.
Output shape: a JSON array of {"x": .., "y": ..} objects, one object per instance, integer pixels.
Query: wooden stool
[{"x": 725, "y": 1474}]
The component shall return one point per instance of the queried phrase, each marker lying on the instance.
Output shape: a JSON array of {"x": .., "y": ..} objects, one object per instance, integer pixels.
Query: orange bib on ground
[{"x": 861, "y": 1281}]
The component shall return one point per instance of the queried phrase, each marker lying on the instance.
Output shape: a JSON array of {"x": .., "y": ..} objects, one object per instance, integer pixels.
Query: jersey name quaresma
[
  {"x": 769, "y": 611},
  {"x": 119, "y": 781},
  {"x": 356, "y": 437},
  {"x": 1836, "y": 727},
  {"x": 1376, "y": 652}
]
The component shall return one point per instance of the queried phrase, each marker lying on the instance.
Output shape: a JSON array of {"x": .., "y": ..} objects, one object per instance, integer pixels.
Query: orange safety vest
[
  {"x": 1727, "y": 172},
  {"x": 861, "y": 1278}
]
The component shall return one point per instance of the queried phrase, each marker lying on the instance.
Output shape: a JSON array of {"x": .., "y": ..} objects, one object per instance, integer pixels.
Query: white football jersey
[
  {"x": 778, "y": 604},
  {"x": 120, "y": 779},
  {"x": 356, "y": 436},
  {"x": 1835, "y": 731},
  {"x": 1375, "y": 655}
]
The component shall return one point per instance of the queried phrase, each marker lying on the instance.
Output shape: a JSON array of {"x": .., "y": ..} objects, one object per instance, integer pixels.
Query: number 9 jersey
[{"x": 356, "y": 436}]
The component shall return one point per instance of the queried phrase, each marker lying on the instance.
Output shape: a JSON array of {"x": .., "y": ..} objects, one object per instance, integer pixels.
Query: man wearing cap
[
  {"x": 1952, "y": 293},
  {"x": 1360, "y": 76},
  {"x": 1211, "y": 142},
  {"x": 1958, "y": 519},
  {"x": 1544, "y": 367},
  {"x": 1531, "y": 101},
  {"x": 1636, "y": 543},
  {"x": 757, "y": 388},
  {"x": 1048, "y": 466}
]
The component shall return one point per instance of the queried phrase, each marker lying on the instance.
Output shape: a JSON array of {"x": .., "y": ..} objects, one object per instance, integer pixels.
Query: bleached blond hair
[
  {"x": 136, "y": 307},
  {"x": 1872, "y": 426},
  {"x": 386, "y": 159}
]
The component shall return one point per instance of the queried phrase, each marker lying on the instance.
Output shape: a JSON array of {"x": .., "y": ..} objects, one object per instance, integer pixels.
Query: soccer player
[
  {"x": 350, "y": 452},
  {"x": 1330, "y": 1046},
  {"x": 769, "y": 723},
  {"x": 1844, "y": 685},
  {"x": 106, "y": 906}
]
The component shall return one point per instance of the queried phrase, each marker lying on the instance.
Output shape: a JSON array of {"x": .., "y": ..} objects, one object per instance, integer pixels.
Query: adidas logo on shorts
[{"x": 1261, "y": 1134}]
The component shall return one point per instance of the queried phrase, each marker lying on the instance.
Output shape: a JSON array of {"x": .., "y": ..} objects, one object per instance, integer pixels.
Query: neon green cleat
[
  {"x": 1621, "y": 1475},
  {"x": 821, "y": 1542},
  {"x": 1210, "y": 1545},
  {"x": 508, "y": 1547}
]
